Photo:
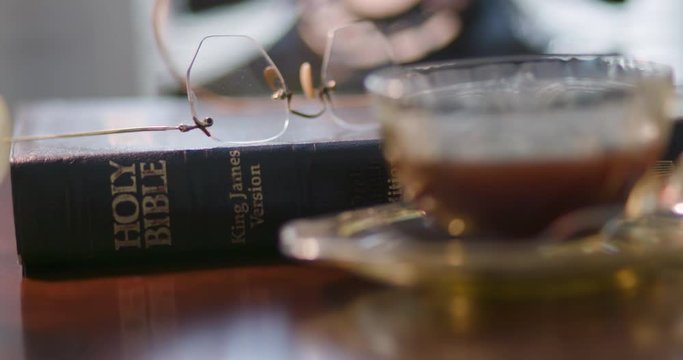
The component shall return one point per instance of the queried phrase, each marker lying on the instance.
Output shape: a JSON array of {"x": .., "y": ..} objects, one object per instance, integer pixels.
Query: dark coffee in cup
[{"x": 519, "y": 199}]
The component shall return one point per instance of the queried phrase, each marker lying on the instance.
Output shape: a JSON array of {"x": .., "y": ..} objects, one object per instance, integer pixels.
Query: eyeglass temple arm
[
  {"x": 159, "y": 18},
  {"x": 181, "y": 128}
]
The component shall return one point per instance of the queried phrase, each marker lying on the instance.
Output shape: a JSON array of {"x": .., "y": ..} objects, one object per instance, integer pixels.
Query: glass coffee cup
[{"x": 504, "y": 147}]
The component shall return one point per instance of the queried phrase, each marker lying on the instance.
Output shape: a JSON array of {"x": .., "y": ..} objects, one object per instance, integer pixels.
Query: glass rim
[{"x": 378, "y": 82}]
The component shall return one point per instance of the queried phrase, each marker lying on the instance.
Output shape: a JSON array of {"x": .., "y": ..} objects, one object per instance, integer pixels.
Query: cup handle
[{"x": 658, "y": 192}]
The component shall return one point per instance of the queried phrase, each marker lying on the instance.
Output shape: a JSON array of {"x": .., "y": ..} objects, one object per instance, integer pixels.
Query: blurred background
[{"x": 90, "y": 48}]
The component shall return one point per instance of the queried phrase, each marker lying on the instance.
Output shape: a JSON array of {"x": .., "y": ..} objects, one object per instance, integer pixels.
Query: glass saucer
[{"x": 400, "y": 245}]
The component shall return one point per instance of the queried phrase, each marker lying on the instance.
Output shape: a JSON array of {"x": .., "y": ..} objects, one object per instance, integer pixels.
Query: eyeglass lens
[
  {"x": 352, "y": 52},
  {"x": 239, "y": 100}
]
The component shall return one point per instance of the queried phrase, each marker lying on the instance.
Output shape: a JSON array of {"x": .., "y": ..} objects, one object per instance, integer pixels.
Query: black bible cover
[{"x": 149, "y": 197}]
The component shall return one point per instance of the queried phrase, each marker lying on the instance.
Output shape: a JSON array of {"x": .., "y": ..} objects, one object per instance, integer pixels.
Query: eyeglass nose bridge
[
  {"x": 272, "y": 79},
  {"x": 281, "y": 94},
  {"x": 306, "y": 80},
  {"x": 270, "y": 75}
]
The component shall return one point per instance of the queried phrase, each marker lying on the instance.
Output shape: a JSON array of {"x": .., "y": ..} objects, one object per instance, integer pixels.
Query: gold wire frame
[
  {"x": 323, "y": 92},
  {"x": 160, "y": 16}
]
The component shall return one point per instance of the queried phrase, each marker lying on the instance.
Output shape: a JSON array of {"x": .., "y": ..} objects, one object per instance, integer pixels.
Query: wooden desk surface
[{"x": 306, "y": 312}]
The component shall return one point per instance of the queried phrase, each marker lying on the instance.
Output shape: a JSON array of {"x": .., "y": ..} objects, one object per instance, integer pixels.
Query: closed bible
[{"x": 168, "y": 197}]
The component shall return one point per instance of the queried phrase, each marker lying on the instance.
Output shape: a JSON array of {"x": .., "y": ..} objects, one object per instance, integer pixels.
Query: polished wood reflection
[
  {"x": 289, "y": 311},
  {"x": 241, "y": 312}
]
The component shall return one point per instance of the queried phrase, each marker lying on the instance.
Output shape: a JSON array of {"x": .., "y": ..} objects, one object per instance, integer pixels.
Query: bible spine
[{"x": 145, "y": 206}]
